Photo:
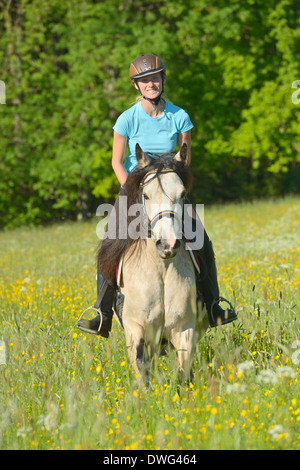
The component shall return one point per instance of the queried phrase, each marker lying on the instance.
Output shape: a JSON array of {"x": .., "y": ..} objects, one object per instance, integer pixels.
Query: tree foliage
[{"x": 230, "y": 65}]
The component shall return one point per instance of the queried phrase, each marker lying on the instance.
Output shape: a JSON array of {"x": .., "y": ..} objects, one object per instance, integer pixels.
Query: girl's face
[{"x": 150, "y": 86}]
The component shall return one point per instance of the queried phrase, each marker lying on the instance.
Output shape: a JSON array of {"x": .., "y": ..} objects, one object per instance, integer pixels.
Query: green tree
[{"x": 230, "y": 65}]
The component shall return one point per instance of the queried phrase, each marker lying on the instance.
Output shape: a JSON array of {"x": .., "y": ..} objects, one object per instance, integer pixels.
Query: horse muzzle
[{"x": 167, "y": 248}]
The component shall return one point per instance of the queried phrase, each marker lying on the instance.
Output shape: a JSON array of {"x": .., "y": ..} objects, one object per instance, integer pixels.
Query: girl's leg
[
  {"x": 101, "y": 325},
  {"x": 210, "y": 288},
  {"x": 207, "y": 283}
]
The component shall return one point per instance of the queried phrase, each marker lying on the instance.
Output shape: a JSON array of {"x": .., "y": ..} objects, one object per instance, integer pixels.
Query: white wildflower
[
  {"x": 235, "y": 388},
  {"x": 244, "y": 366},
  {"x": 267, "y": 377},
  {"x": 276, "y": 431},
  {"x": 285, "y": 371}
]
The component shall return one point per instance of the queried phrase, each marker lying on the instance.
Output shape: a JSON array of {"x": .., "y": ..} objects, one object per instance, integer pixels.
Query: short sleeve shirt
[{"x": 154, "y": 135}]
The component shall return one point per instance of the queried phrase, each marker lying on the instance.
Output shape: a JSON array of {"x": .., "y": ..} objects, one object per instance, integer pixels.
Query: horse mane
[{"x": 111, "y": 250}]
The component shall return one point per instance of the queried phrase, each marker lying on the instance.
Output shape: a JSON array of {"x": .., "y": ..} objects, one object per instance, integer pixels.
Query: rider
[{"x": 153, "y": 115}]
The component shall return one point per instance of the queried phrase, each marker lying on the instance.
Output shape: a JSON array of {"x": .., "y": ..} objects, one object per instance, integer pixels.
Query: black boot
[
  {"x": 209, "y": 289},
  {"x": 101, "y": 324}
]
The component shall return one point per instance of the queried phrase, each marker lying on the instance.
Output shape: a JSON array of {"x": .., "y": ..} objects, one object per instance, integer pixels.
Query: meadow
[{"x": 63, "y": 389}]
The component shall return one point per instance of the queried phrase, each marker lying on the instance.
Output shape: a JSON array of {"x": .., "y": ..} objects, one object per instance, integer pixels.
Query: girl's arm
[
  {"x": 119, "y": 147},
  {"x": 185, "y": 138}
]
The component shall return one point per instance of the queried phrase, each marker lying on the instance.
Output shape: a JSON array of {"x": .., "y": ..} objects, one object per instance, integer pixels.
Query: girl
[{"x": 154, "y": 116}]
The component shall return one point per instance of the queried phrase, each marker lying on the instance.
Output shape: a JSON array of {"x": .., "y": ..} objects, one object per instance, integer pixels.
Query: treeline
[{"x": 230, "y": 64}]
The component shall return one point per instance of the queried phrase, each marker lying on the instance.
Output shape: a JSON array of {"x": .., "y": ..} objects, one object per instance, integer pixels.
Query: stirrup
[
  {"x": 224, "y": 321},
  {"x": 88, "y": 330}
]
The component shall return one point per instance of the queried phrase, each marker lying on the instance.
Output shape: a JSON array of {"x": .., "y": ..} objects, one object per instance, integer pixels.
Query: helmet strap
[{"x": 155, "y": 101}]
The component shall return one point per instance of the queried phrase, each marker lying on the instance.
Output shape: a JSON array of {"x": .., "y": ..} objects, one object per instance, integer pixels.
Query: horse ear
[
  {"x": 182, "y": 154},
  {"x": 141, "y": 157}
]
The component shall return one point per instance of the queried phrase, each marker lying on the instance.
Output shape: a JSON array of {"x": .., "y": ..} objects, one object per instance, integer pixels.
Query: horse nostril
[
  {"x": 166, "y": 246},
  {"x": 163, "y": 246}
]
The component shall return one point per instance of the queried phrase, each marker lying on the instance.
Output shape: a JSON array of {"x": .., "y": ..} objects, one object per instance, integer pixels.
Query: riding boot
[
  {"x": 208, "y": 289},
  {"x": 101, "y": 324}
]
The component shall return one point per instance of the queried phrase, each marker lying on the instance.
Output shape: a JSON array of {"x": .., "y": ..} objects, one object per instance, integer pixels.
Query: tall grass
[{"x": 63, "y": 389}]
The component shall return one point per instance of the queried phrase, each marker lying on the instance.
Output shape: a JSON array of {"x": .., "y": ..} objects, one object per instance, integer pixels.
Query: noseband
[{"x": 165, "y": 213}]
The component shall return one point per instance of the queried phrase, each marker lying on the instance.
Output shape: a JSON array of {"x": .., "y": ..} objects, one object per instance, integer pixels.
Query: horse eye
[
  {"x": 145, "y": 196},
  {"x": 183, "y": 194}
]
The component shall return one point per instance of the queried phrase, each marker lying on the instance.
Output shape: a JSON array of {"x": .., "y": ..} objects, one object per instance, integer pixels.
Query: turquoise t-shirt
[{"x": 154, "y": 135}]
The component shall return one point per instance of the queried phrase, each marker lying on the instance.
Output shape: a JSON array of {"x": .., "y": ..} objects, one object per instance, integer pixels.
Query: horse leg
[
  {"x": 143, "y": 361},
  {"x": 137, "y": 352},
  {"x": 183, "y": 342}
]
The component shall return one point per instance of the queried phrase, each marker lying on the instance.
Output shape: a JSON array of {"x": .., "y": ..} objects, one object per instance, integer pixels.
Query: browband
[{"x": 154, "y": 172}]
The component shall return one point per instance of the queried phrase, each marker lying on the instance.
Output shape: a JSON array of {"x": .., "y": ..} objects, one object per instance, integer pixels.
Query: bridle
[{"x": 164, "y": 213}]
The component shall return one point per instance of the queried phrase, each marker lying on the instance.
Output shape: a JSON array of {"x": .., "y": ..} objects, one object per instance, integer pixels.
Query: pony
[{"x": 157, "y": 277}]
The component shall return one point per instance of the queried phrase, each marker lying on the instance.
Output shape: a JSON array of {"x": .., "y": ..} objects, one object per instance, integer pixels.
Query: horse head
[{"x": 163, "y": 193}]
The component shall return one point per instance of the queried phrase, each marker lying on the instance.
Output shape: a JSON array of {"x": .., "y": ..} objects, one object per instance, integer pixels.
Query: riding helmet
[{"x": 146, "y": 64}]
